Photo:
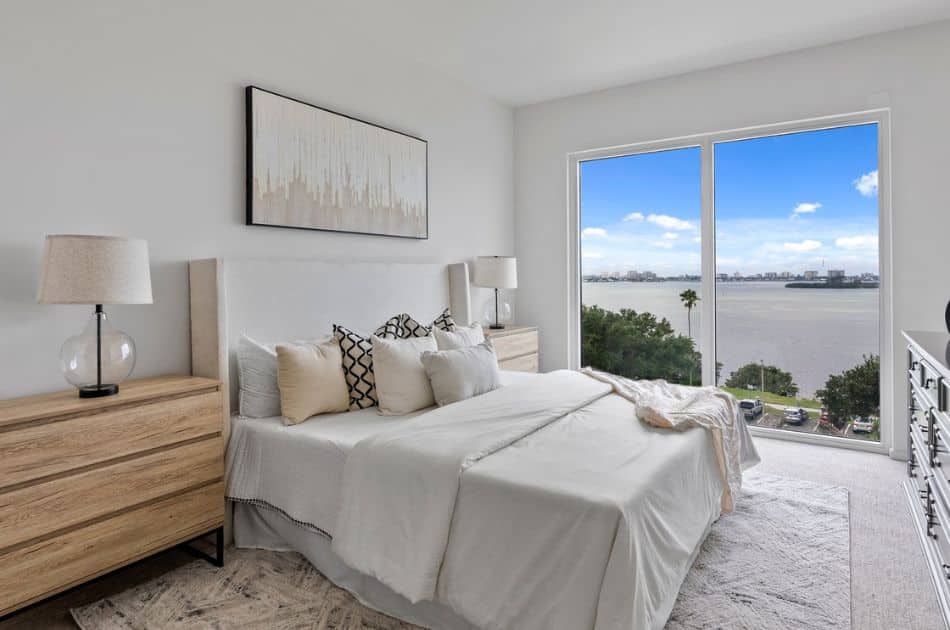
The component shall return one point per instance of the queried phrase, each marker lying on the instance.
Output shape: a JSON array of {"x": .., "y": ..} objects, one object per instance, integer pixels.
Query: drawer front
[
  {"x": 528, "y": 363},
  {"x": 35, "y": 571},
  {"x": 38, "y": 450},
  {"x": 520, "y": 344},
  {"x": 920, "y": 412},
  {"x": 35, "y": 511}
]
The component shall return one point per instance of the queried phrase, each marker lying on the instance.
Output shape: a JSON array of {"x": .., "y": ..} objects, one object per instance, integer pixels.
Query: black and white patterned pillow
[
  {"x": 412, "y": 328},
  {"x": 393, "y": 327},
  {"x": 357, "y": 353}
]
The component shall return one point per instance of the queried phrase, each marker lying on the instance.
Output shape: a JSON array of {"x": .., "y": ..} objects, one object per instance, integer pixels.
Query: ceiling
[{"x": 527, "y": 51}]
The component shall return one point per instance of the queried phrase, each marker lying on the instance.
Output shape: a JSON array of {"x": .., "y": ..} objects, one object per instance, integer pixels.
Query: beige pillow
[
  {"x": 461, "y": 337},
  {"x": 401, "y": 382},
  {"x": 311, "y": 382}
]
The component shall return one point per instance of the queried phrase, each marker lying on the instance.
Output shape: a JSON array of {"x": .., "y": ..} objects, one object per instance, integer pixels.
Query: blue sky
[{"x": 783, "y": 203}]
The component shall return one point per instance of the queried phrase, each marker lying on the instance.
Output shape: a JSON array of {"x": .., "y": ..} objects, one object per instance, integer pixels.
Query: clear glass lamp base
[{"x": 97, "y": 367}]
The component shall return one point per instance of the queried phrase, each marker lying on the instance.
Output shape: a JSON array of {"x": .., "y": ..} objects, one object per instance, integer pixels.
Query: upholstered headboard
[{"x": 284, "y": 299}]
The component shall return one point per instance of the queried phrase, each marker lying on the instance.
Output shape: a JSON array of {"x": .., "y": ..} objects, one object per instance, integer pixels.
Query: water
[{"x": 811, "y": 333}]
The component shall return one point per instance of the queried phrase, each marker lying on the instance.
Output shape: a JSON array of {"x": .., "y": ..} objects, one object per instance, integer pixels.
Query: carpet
[{"x": 782, "y": 560}]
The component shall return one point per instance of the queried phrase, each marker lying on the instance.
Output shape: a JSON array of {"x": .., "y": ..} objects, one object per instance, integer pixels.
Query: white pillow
[
  {"x": 401, "y": 383},
  {"x": 462, "y": 337},
  {"x": 462, "y": 373},
  {"x": 258, "y": 394}
]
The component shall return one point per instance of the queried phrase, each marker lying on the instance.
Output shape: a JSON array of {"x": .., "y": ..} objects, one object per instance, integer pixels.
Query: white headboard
[{"x": 276, "y": 300}]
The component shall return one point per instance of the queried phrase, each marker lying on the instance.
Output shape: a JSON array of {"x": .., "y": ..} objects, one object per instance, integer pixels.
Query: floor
[{"x": 890, "y": 585}]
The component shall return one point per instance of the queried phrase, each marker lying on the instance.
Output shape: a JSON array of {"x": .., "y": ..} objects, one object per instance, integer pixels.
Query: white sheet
[
  {"x": 298, "y": 469},
  {"x": 544, "y": 505}
]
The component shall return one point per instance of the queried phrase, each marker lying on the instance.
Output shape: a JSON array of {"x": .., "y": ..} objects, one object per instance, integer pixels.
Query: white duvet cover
[{"x": 542, "y": 505}]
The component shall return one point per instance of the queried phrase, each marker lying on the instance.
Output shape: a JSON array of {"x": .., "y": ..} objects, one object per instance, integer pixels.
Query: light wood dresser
[
  {"x": 516, "y": 347},
  {"x": 928, "y": 463},
  {"x": 90, "y": 485}
]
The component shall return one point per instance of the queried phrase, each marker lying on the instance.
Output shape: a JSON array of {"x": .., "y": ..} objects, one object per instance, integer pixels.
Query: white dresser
[{"x": 928, "y": 466}]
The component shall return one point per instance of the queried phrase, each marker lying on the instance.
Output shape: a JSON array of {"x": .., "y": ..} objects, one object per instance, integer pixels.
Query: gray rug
[{"x": 782, "y": 560}]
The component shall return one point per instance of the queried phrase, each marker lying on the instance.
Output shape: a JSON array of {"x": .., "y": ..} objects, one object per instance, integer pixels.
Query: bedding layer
[{"x": 545, "y": 505}]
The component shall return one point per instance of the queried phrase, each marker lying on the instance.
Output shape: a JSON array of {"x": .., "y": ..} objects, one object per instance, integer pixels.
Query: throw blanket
[{"x": 677, "y": 407}]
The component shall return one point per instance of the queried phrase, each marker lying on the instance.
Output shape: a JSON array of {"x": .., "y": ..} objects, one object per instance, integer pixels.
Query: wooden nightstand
[
  {"x": 516, "y": 347},
  {"x": 90, "y": 485}
]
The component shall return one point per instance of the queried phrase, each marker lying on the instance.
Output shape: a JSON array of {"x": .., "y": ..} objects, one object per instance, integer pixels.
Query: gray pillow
[
  {"x": 258, "y": 395},
  {"x": 461, "y": 373}
]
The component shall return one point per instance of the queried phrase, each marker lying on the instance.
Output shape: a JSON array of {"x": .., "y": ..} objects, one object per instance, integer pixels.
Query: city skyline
[{"x": 795, "y": 202}]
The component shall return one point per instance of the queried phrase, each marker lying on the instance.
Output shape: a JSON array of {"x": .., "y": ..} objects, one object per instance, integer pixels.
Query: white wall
[
  {"x": 906, "y": 70},
  {"x": 127, "y": 117}
]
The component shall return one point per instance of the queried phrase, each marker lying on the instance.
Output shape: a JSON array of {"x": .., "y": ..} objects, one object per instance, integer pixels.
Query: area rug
[{"x": 782, "y": 560}]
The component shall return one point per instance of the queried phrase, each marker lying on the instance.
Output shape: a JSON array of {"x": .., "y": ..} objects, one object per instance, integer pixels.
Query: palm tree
[{"x": 689, "y": 299}]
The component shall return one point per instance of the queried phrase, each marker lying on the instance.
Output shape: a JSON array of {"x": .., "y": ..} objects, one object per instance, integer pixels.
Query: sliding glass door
[
  {"x": 640, "y": 246},
  {"x": 798, "y": 279},
  {"x": 747, "y": 260}
]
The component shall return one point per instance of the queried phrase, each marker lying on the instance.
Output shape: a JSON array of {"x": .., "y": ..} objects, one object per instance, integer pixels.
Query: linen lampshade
[
  {"x": 496, "y": 272},
  {"x": 81, "y": 269}
]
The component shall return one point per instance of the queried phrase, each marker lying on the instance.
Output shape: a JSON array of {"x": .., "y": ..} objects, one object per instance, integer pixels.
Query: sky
[{"x": 795, "y": 202}]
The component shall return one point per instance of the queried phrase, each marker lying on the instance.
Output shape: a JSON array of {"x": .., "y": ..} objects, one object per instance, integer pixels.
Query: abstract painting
[{"x": 311, "y": 168}]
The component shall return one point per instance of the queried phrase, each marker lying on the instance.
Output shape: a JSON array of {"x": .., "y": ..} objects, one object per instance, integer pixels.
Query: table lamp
[
  {"x": 496, "y": 272},
  {"x": 96, "y": 270}
]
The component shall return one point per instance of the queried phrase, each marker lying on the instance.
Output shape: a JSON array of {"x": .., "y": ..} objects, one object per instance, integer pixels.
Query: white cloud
[
  {"x": 667, "y": 222},
  {"x": 594, "y": 232},
  {"x": 634, "y": 216},
  {"x": 804, "y": 246},
  {"x": 859, "y": 241},
  {"x": 663, "y": 244},
  {"x": 671, "y": 236},
  {"x": 592, "y": 255},
  {"x": 805, "y": 208},
  {"x": 867, "y": 184},
  {"x": 697, "y": 239}
]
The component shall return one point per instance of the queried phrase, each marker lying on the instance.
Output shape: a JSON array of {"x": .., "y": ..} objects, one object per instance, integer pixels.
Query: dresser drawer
[
  {"x": 515, "y": 345},
  {"x": 527, "y": 363},
  {"x": 920, "y": 412},
  {"x": 930, "y": 383},
  {"x": 38, "y": 510},
  {"x": 36, "y": 450},
  {"x": 35, "y": 571}
]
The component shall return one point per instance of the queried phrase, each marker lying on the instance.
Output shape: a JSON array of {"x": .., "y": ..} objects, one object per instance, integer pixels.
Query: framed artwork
[{"x": 314, "y": 169}]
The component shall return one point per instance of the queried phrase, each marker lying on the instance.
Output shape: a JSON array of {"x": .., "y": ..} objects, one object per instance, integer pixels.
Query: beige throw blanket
[{"x": 677, "y": 407}]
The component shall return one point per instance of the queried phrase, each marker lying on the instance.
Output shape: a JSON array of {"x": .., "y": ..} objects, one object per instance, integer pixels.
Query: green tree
[
  {"x": 854, "y": 392},
  {"x": 689, "y": 299},
  {"x": 636, "y": 345},
  {"x": 777, "y": 381}
]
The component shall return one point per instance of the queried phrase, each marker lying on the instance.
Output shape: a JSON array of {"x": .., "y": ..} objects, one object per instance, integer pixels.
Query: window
[{"x": 754, "y": 260}]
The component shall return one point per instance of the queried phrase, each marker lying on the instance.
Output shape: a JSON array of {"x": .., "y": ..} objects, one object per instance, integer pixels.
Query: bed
[{"x": 543, "y": 504}]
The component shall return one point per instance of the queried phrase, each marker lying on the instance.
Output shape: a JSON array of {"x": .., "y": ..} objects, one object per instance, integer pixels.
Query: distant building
[
  {"x": 771, "y": 275},
  {"x": 722, "y": 277},
  {"x": 633, "y": 276},
  {"x": 810, "y": 275},
  {"x": 785, "y": 275},
  {"x": 649, "y": 276},
  {"x": 835, "y": 273},
  {"x": 604, "y": 275}
]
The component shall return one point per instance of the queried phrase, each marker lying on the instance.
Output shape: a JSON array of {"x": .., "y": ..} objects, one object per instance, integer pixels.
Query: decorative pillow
[
  {"x": 462, "y": 373},
  {"x": 310, "y": 380},
  {"x": 258, "y": 396},
  {"x": 401, "y": 382},
  {"x": 464, "y": 337},
  {"x": 412, "y": 328},
  {"x": 393, "y": 327},
  {"x": 357, "y": 361},
  {"x": 258, "y": 393}
]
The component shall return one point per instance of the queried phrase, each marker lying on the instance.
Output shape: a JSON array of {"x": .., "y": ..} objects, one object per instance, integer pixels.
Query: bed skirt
[{"x": 258, "y": 527}]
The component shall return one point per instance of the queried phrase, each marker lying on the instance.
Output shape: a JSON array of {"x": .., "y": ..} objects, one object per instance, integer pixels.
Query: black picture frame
[{"x": 250, "y": 218}]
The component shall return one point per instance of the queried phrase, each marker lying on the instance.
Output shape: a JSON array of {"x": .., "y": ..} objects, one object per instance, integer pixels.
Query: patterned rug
[{"x": 782, "y": 560}]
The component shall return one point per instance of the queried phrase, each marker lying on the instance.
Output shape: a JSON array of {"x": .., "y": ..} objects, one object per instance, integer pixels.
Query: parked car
[
  {"x": 751, "y": 408},
  {"x": 824, "y": 420},
  {"x": 795, "y": 415},
  {"x": 862, "y": 424}
]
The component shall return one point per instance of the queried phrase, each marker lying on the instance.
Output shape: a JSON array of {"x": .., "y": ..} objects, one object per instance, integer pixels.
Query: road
[{"x": 773, "y": 419}]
